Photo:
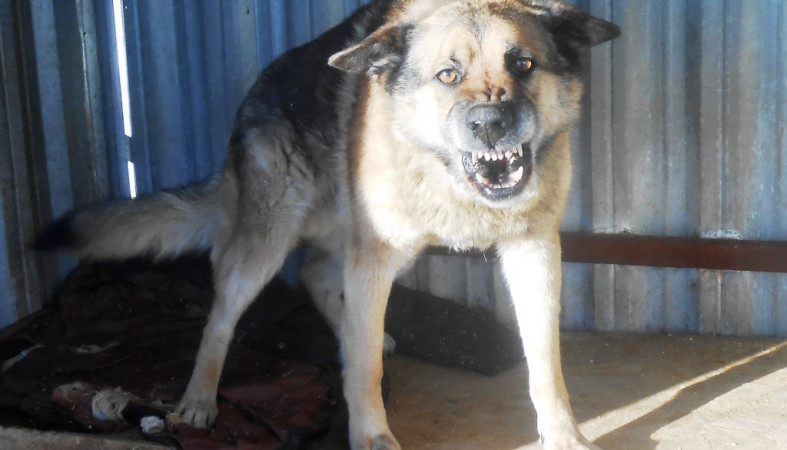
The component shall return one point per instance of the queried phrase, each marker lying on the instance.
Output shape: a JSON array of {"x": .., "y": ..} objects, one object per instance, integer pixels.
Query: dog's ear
[
  {"x": 380, "y": 52},
  {"x": 573, "y": 28}
]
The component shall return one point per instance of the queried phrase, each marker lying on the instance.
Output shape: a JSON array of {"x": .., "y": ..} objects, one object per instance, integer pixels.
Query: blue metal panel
[
  {"x": 686, "y": 138},
  {"x": 22, "y": 278},
  {"x": 691, "y": 144},
  {"x": 10, "y": 137}
]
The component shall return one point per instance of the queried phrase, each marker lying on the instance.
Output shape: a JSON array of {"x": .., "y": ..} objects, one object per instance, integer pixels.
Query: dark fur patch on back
[{"x": 300, "y": 86}]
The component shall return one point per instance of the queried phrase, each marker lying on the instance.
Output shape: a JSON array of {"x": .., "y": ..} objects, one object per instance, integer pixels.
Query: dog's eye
[
  {"x": 448, "y": 76},
  {"x": 524, "y": 65}
]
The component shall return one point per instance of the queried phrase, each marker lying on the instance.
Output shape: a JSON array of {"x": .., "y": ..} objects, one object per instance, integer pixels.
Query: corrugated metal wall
[
  {"x": 683, "y": 135},
  {"x": 17, "y": 274},
  {"x": 696, "y": 145}
]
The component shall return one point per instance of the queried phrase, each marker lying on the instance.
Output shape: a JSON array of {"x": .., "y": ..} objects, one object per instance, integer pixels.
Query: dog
[{"x": 413, "y": 123}]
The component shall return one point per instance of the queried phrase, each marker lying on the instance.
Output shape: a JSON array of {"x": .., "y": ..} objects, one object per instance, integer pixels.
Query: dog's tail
[{"x": 163, "y": 224}]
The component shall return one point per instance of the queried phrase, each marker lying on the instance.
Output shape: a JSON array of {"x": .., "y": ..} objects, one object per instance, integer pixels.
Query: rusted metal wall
[{"x": 683, "y": 136}]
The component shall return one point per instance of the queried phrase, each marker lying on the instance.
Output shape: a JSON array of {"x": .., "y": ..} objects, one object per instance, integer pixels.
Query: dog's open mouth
[{"x": 499, "y": 174}]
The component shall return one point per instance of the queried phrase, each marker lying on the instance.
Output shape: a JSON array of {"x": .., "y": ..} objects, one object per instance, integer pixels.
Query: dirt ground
[{"x": 628, "y": 392}]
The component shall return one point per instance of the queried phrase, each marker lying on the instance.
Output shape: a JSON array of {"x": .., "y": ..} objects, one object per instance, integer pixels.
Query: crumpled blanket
[{"x": 116, "y": 347}]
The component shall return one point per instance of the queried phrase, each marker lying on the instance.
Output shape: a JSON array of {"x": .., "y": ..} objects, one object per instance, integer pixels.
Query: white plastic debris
[
  {"x": 109, "y": 404},
  {"x": 152, "y": 425}
]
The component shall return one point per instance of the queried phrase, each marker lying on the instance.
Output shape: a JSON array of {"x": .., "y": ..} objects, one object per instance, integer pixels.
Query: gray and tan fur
[{"x": 447, "y": 123}]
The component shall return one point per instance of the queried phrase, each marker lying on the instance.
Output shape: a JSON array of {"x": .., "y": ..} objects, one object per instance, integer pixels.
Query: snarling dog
[{"x": 412, "y": 123}]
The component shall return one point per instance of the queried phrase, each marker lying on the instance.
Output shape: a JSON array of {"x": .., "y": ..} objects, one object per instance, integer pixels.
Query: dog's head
[{"x": 484, "y": 84}]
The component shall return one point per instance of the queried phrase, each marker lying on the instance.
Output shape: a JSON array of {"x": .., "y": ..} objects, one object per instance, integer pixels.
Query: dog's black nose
[{"x": 490, "y": 122}]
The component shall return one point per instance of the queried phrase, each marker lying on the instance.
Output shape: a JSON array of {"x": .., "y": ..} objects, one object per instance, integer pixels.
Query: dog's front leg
[
  {"x": 532, "y": 269},
  {"x": 370, "y": 268}
]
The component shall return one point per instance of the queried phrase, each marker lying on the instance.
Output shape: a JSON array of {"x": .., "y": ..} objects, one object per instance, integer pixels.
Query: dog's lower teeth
[
  {"x": 517, "y": 176},
  {"x": 484, "y": 180}
]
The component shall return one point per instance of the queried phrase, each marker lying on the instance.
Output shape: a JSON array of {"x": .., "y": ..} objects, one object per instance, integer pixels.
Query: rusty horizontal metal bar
[{"x": 662, "y": 251}]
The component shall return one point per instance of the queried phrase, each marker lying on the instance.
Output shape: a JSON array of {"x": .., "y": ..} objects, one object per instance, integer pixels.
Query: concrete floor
[{"x": 628, "y": 392}]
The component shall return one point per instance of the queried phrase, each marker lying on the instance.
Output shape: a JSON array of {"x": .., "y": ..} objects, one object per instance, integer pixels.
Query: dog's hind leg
[
  {"x": 263, "y": 207},
  {"x": 323, "y": 275},
  {"x": 246, "y": 264}
]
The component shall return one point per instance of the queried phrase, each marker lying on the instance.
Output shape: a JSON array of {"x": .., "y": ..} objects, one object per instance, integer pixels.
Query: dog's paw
[
  {"x": 385, "y": 442},
  {"x": 198, "y": 413},
  {"x": 389, "y": 345},
  {"x": 380, "y": 442}
]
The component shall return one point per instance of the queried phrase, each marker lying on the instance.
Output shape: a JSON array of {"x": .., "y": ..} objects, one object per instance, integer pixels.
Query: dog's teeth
[
  {"x": 474, "y": 157},
  {"x": 493, "y": 155},
  {"x": 483, "y": 179},
  {"x": 520, "y": 152},
  {"x": 517, "y": 176},
  {"x": 487, "y": 156},
  {"x": 508, "y": 154}
]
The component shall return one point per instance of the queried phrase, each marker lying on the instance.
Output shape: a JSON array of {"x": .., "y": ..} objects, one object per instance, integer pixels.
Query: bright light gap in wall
[
  {"x": 125, "y": 102},
  {"x": 132, "y": 180},
  {"x": 122, "y": 61}
]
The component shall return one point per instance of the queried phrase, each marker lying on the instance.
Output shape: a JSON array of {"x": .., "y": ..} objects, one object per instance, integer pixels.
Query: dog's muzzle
[{"x": 496, "y": 174}]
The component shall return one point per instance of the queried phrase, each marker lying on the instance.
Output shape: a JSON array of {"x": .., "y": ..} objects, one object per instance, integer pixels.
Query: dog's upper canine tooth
[{"x": 520, "y": 152}]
